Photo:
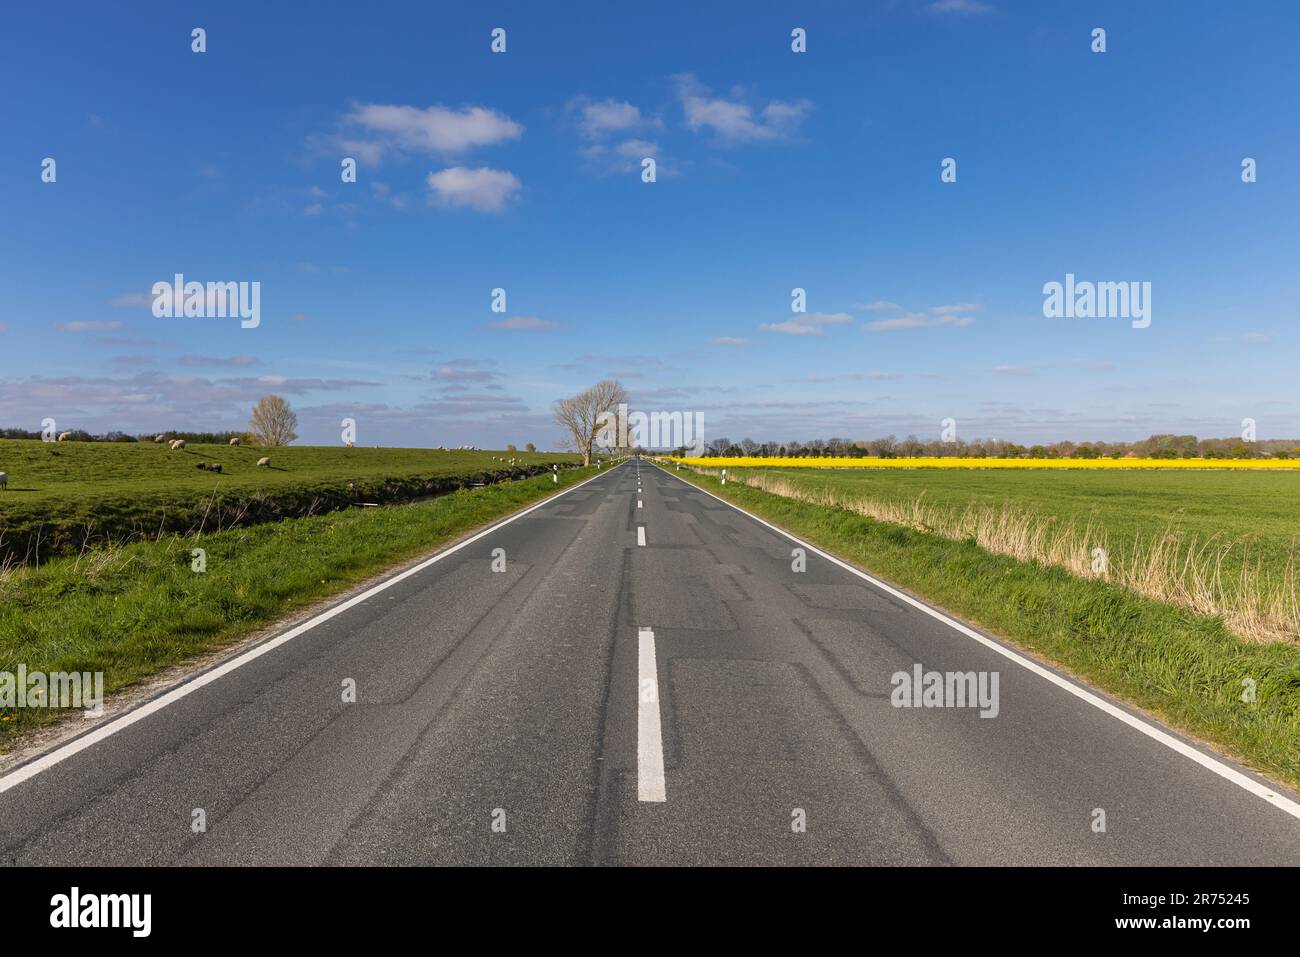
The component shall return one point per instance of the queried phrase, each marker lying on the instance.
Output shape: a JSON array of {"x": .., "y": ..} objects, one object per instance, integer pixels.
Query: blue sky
[{"x": 775, "y": 170}]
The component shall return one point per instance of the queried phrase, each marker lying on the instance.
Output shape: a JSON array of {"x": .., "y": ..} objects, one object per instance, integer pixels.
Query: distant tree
[
  {"x": 510, "y": 447},
  {"x": 530, "y": 447},
  {"x": 273, "y": 422},
  {"x": 580, "y": 416}
]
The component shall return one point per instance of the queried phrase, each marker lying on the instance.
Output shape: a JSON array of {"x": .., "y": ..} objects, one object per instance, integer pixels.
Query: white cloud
[
  {"x": 957, "y": 314},
  {"x": 915, "y": 320},
  {"x": 132, "y": 300},
  {"x": 625, "y": 157},
  {"x": 435, "y": 130},
  {"x": 1092, "y": 365},
  {"x": 807, "y": 324},
  {"x": 485, "y": 190},
  {"x": 1011, "y": 370},
  {"x": 216, "y": 361},
  {"x": 960, "y": 6},
  {"x": 791, "y": 328},
  {"x": 600, "y": 119},
  {"x": 459, "y": 371},
  {"x": 523, "y": 324},
  {"x": 90, "y": 326},
  {"x": 729, "y": 341},
  {"x": 855, "y": 377},
  {"x": 733, "y": 120}
]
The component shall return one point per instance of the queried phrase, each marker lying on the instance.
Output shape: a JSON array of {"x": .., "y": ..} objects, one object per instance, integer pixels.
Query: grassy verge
[
  {"x": 1188, "y": 669},
  {"x": 132, "y": 611},
  {"x": 65, "y": 496},
  {"x": 1220, "y": 543}
]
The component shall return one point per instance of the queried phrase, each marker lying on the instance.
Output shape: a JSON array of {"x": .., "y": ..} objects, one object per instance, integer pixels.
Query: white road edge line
[
  {"x": 1279, "y": 801},
  {"x": 650, "y": 785},
  {"x": 640, "y": 534},
  {"x": 46, "y": 761}
]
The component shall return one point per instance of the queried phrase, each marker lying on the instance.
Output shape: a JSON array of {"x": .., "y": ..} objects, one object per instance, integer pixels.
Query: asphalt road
[{"x": 692, "y": 700}]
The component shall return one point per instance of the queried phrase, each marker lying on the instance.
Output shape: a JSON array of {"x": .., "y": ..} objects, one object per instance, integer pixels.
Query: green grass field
[
  {"x": 1213, "y": 541},
  {"x": 1260, "y": 508},
  {"x": 132, "y": 611},
  {"x": 1186, "y": 667},
  {"x": 63, "y": 496}
]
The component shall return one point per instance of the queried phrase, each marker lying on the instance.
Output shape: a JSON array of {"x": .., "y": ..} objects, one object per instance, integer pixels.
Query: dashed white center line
[
  {"x": 650, "y": 784},
  {"x": 640, "y": 534},
  {"x": 638, "y": 503}
]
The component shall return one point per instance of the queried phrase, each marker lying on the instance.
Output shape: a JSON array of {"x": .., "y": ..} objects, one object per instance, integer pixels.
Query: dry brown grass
[{"x": 1170, "y": 567}]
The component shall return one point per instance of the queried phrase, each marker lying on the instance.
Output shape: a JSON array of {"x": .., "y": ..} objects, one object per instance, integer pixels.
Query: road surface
[{"x": 645, "y": 679}]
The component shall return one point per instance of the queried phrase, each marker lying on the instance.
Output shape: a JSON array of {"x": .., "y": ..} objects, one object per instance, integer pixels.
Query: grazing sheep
[
  {"x": 159, "y": 438},
  {"x": 347, "y": 445},
  {"x": 4, "y": 480},
  {"x": 202, "y": 465},
  {"x": 264, "y": 462},
  {"x": 234, "y": 441},
  {"x": 64, "y": 436},
  {"x": 178, "y": 444},
  {"x": 215, "y": 467}
]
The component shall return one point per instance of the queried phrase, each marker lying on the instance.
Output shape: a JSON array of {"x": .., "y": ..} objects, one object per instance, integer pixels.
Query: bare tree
[
  {"x": 273, "y": 422},
  {"x": 580, "y": 416}
]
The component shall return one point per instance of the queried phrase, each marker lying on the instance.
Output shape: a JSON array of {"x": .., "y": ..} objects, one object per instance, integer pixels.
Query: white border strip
[
  {"x": 1279, "y": 801},
  {"x": 46, "y": 761},
  {"x": 650, "y": 785}
]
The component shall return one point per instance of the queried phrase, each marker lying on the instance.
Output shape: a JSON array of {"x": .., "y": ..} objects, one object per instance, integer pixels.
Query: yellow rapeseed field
[{"x": 935, "y": 462}]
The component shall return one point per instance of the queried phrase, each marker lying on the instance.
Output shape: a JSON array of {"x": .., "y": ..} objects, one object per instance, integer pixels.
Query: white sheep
[
  {"x": 264, "y": 461},
  {"x": 348, "y": 445},
  {"x": 159, "y": 438},
  {"x": 178, "y": 444},
  {"x": 4, "y": 480},
  {"x": 234, "y": 441},
  {"x": 64, "y": 436}
]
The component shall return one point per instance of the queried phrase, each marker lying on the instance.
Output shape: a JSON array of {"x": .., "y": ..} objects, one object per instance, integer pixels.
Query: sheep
[
  {"x": 215, "y": 467},
  {"x": 159, "y": 438},
  {"x": 178, "y": 444},
  {"x": 64, "y": 436},
  {"x": 264, "y": 462},
  {"x": 202, "y": 465},
  {"x": 234, "y": 441},
  {"x": 4, "y": 480},
  {"x": 347, "y": 445}
]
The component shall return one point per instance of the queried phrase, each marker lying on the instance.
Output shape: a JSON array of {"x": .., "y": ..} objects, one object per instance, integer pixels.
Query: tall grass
[{"x": 1257, "y": 601}]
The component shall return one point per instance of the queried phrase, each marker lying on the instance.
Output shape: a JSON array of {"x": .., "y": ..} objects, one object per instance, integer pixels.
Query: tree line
[{"x": 1167, "y": 446}]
